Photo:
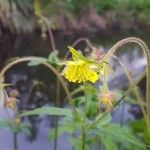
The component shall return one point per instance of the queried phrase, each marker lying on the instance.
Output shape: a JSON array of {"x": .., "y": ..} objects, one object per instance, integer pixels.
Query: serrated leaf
[
  {"x": 139, "y": 126},
  {"x": 104, "y": 120},
  {"x": 122, "y": 134},
  {"x": 108, "y": 143},
  {"x": 36, "y": 62},
  {"x": 48, "y": 110}
]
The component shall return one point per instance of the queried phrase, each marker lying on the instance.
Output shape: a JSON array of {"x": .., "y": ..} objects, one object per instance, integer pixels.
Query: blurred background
[{"x": 26, "y": 29}]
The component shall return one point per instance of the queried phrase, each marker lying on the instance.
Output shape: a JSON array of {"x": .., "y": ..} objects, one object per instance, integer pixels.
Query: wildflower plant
[{"x": 89, "y": 115}]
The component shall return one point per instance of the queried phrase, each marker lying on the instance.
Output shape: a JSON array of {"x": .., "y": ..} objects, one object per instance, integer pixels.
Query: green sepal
[{"x": 77, "y": 56}]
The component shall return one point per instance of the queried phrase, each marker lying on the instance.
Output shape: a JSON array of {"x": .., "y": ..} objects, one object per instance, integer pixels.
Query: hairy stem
[
  {"x": 24, "y": 59},
  {"x": 138, "y": 97},
  {"x": 147, "y": 55}
]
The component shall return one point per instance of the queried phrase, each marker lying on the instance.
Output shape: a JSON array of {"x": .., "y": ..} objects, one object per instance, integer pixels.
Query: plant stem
[
  {"x": 138, "y": 97},
  {"x": 24, "y": 59},
  {"x": 147, "y": 55},
  {"x": 15, "y": 141},
  {"x": 85, "y": 95},
  {"x": 83, "y": 137},
  {"x": 126, "y": 93},
  {"x": 56, "y": 118}
]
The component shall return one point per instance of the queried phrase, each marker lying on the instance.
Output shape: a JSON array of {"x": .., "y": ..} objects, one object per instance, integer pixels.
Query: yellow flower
[{"x": 79, "y": 71}]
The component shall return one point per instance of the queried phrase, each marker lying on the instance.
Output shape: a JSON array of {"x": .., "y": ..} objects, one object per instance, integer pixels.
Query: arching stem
[
  {"x": 147, "y": 55},
  {"x": 49, "y": 66}
]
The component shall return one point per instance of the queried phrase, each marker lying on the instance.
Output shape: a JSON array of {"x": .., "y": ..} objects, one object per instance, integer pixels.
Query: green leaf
[
  {"x": 108, "y": 143},
  {"x": 121, "y": 134},
  {"x": 139, "y": 126},
  {"x": 48, "y": 110},
  {"x": 66, "y": 125},
  {"x": 15, "y": 128},
  {"x": 36, "y": 62},
  {"x": 104, "y": 120},
  {"x": 53, "y": 58},
  {"x": 24, "y": 128},
  {"x": 5, "y": 124},
  {"x": 60, "y": 131},
  {"x": 77, "y": 144}
]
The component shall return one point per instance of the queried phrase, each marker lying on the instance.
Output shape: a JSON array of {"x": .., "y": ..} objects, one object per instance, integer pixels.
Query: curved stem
[
  {"x": 139, "y": 99},
  {"x": 147, "y": 55},
  {"x": 24, "y": 59},
  {"x": 50, "y": 34}
]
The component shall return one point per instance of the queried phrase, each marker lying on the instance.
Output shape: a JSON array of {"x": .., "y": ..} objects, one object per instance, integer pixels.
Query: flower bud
[
  {"x": 11, "y": 102},
  {"x": 106, "y": 99},
  {"x": 14, "y": 93}
]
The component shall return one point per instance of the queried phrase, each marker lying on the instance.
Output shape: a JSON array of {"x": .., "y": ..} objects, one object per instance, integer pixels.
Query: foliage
[
  {"x": 139, "y": 128},
  {"x": 16, "y": 126},
  {"x": 88, "y": 119},
  {"x": 22, "y": 14},
  {"x": 48, "y": 111},
  {"x": 104, "y": 130}
]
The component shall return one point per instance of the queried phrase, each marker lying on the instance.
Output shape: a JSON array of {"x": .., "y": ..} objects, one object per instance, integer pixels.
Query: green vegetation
[
  {"x": 22, "y": 12},
  {"x": 89, "y": 108}
]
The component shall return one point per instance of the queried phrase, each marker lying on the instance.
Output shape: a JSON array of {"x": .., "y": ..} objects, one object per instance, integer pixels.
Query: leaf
[
  {"x": 53, "y": 58},
  {"x": 5, "y": 124},
  {"x": 66, "y": 125},
  {"x": 77, "y": 144},
  {"x": 104, "y": 120},
  {"x": 25, "y": 128},
  {"x": 121, "y": 134},
  {"x": 36, "y": 62},
  {"x": 108, "y": 143},
  {"x": 139, "y": 126},
  {"x": 48, "y": 110},
  {"x": 60, "y": 131},
  {"x": 15, "y": 128}
]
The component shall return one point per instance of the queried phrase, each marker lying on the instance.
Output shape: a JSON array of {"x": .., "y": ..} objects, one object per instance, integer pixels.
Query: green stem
[
  {"x": 138, "y": 97},
  {"x": 85, "y": 95},
  {"x": 15, "y": 142},
  {"x": 24, "y": 59},
  {"x": 83, "y": 137},
  {"x": 57, "y": 105},
  {"x": 147, "y": 55},
  {"x": 126, "y": 93},
  {"x": 105, "y": 87}
]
